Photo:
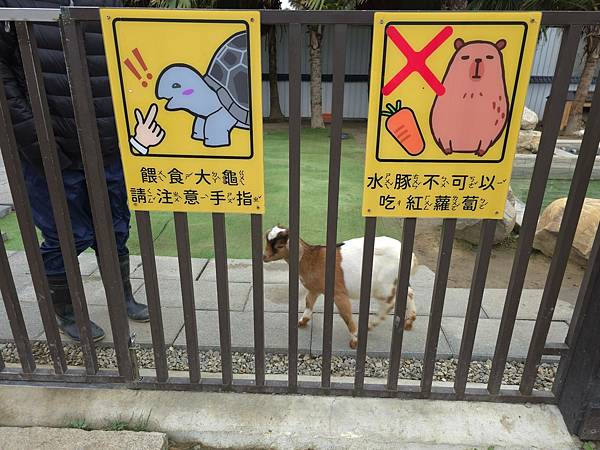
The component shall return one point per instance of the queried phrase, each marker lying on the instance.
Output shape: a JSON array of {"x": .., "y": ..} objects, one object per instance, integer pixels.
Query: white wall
[{"x": 358, "y": 51}]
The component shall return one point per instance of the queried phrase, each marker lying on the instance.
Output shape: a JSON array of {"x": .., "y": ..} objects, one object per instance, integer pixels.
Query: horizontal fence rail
[
  {"x": 273, "y": 17},
  {"x": 70, "y": 20}
]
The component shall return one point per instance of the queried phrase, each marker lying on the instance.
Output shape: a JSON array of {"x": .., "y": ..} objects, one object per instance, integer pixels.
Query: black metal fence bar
[
  {"x": 220, "y": 242},
  {"x": 566, "y": 234},
  {"x": 91, "y": 153},
  {"x": 480, "y": 271},
  {"x": 14, "y": 173},
  {"x": 404, "y": 269},
  {"x": 578, "y": 368},
  {"x": 274, "y": 17},
  {"x": 78, "y": 378},
  {"x": 437, "y": 304},
  {"x": 31, "y": 14},
  {"x": 182, "y": 236},
  {"x": 73, "y": 375},
  {"x": 144, "y": 227},
  {"x": 85, "y": 117},
  {"x": 365, "y": 303},
  {"x": 258, "y": 299},
  {"x": 52, "y": 169},
  {"x": 14, "y": 313},
  {"x": 507, "y": 395},
  {"x": 583, "y": 296},
  {"x": 317, "y": 17},
  {"x": 560, "y": 18},
  {"x": 294, "y": 56},
  {"x": 335, "y": 153},
  {"x": 535, "y": 197}
]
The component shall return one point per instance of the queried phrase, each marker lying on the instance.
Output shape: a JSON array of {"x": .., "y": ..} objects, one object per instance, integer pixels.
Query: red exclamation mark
[
  {"x": 138, "y": 56},
  {"x": 131, "y": 67},
  {"x": 134, "y": 70}
]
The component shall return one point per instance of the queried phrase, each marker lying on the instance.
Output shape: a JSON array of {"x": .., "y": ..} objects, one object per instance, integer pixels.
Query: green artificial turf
[
  {"x": 313, "y": 213},
  {"x": 554, "y": 189}
]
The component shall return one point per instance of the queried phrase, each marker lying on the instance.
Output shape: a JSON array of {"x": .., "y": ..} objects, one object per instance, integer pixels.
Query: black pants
[{"x": 79, "y": 210}]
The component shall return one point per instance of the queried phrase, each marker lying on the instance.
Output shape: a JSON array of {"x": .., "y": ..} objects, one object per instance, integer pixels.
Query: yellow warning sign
[
  {"x": 186, "y": 88},
  {"x": 447, "y": 93}
]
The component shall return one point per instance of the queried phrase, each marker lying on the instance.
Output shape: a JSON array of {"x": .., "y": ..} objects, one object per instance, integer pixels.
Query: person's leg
[
  {"x": 121, "y": 223},
  {"x": 39, "y": 199}
]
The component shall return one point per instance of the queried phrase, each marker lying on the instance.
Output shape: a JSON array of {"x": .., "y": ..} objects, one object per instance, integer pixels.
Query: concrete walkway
[
  {"x": 42, "y": 438},
  {"x": 276, "y": 307},
  {"x": 290, "y": 422}
]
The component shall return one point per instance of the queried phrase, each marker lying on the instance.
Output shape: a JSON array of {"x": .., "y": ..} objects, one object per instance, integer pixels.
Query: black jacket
[{"x": 57, "y": 86}]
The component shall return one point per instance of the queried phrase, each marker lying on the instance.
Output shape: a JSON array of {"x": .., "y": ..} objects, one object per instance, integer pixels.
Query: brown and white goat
[{"x": 347, "y": 276}]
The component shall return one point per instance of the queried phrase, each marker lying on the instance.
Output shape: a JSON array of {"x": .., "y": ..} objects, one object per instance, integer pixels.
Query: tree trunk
[
  {"x": 316, "y": 107},
  {"x": 575, "y": 122},
  {"x": 275, "y": 114},
  {"x": 454, "y": 5}
]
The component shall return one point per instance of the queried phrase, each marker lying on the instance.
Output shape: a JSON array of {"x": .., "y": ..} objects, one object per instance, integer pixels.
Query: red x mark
[{"x": 416, "y": 60}]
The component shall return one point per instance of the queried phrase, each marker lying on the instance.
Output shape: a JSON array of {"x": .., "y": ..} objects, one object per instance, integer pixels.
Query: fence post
[{"x": 578, "y": 387}]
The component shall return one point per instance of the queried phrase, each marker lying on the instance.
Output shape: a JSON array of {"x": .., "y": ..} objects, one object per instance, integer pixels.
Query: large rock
[
  {"x": 529, "y": 140},
  {"x": 529, "y": 119},
  {"x": 549, "y": 225},
  {"x": 470, "y": 229}
]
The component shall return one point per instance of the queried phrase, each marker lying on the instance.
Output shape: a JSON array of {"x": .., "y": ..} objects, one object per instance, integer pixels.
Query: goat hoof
[
  {"x": 303, "y": 322},
  {"x": 353, "y": 343},
  {"x": 408, "y": 323}
]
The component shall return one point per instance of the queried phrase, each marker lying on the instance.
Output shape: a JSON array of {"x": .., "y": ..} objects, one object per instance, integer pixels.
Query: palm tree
[
  {"x": 454, "y": 5},
  {"x": 591, "y": 36},
  {"x": 275, "y": 114},
  {"x": 315, "y": 33},
  {"x": 176, "y": 3}
]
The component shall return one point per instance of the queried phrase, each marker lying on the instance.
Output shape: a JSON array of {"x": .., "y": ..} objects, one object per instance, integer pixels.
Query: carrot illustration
[{"x": 403, "y": 126}]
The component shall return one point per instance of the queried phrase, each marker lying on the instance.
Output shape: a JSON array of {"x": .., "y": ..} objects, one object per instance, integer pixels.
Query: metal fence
[{"x": 71, "y": 21}]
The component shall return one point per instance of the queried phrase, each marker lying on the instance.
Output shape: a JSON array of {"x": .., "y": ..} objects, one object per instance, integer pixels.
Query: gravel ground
[{"x": 276, "y": 363}]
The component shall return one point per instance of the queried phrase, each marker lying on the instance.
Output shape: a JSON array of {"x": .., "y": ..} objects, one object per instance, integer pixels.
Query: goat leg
[
  {"x": 385, "y": 306},
  {"x": 345, "y": 309},
  {"x": 411, "y": 310},
  {"x": 311, "y": 298}
]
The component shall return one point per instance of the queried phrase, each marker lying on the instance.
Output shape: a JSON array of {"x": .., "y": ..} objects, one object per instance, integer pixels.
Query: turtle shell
[{"x": 227, "y": 75}]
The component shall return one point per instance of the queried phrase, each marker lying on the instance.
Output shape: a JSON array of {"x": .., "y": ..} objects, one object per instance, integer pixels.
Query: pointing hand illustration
[{"x": 148, "y": 132}]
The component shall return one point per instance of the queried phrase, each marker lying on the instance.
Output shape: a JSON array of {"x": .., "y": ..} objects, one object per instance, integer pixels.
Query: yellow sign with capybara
[
  {"x": 447, "y": 92},
  {"x": 186, "y": 89}
]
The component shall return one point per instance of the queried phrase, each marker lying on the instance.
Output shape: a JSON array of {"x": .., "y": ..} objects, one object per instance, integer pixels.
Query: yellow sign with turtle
[{"x": 186, "y": 89}]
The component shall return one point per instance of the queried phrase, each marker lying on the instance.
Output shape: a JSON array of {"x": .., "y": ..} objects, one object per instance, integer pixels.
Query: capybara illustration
[{"x": 471, "y": 115}]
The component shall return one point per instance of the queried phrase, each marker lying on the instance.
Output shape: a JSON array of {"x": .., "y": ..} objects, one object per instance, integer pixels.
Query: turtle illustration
[{"x": 219, "y": 100}]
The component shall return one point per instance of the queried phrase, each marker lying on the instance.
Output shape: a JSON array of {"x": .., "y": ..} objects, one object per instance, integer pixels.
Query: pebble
[{"x": 276, "y": 363}]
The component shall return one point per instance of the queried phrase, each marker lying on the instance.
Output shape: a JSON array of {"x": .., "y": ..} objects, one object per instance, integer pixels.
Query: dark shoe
[
  {"x": 63, "y": 308},
  {"x": 67, "y": 325},
  {"x": 137, "y": 312}
]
